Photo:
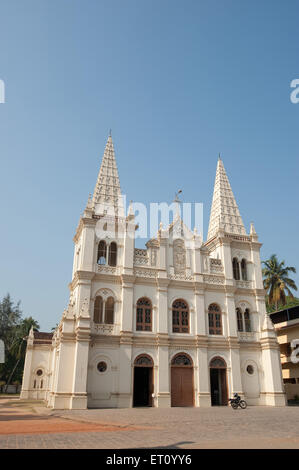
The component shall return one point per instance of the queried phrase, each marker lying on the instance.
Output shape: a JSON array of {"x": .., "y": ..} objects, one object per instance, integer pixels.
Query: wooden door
[
  {"x": 224, "y": 393},
  {"x": 182, "y": 386}
]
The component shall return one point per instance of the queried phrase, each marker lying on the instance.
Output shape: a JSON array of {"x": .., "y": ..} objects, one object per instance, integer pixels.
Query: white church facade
[{"x": 176, "y": 324}]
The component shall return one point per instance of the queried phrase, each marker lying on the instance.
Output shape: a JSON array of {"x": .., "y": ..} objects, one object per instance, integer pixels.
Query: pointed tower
[
  {"x": 225, "y": 213},
  {"x": 107, "y": 198}
]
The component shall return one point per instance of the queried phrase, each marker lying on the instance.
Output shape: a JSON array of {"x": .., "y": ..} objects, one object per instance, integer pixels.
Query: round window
[
  {"x": 250, "y": 369},
  {"x": 102, "y": 366},
  {"x": 39, "y": 372}
]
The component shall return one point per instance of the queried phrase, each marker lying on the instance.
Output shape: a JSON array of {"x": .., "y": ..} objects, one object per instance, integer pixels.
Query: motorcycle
[{"x": 237, "y": 402}]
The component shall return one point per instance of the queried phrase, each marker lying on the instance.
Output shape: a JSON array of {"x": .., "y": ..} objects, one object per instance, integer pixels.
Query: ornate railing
[
  {"x": 181, "y": 277},
  {"x": 139, "y": 272},
  {"x": 140, "y": 257},
  {"x": 102, "y": 329},
  {"x": 210, "y": 279},
  {"x": 103, "y": 268},
  {"x": 244, "y": 284}
]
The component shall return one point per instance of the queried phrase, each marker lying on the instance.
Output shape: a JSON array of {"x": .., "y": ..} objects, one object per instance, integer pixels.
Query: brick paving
[{"x": 157, "y": 428}]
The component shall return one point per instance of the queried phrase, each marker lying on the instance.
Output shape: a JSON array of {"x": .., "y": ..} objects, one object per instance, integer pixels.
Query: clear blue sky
[{"x": 178, "y": 82}]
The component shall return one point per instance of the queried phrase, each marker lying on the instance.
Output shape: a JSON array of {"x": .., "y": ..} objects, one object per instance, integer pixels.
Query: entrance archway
[
  {"x": 143, "y": 380},
  {"x": 218, "y": 381},
  {"x": 182, "y": 392}
]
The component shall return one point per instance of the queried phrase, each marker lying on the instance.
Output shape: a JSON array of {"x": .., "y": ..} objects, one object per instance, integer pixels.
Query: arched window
[
  {"x": 180, "y": 316},
  {"x": 236, "y": 270},
  {"x": 98, "y": 310},
  {"x": 215, "y": 323},
  {"x": 112, "y": 254},
  {"x": 244, "y": 269},
  {"x": 239, "y": 319},
  {"x": 181, "y": 359},
  {"x": 102, "y": 252},
  {"x": 143, "y": 360},
  {"x": 144, "y": 315},
  {"x": 217, "y": 363},
  {"x": 109, "y": 311},
  {"x": 247, "y": 321}
]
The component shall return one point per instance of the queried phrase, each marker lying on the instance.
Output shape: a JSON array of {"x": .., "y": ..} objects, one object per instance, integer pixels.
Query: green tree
[
  {"x": 277, "y": 282},
  {"x": 290, "y": 302},
  {"x": 18, "y": 347},
  {"x": 12, "y": 331},
  {"x": 10, "y": 317}
]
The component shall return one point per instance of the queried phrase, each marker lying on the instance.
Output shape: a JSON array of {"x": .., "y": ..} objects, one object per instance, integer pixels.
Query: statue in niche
[
  {"x": 179, "y": 257},
  {"x": 154, "y": 258},
  {"x": 206, "y": 265}
]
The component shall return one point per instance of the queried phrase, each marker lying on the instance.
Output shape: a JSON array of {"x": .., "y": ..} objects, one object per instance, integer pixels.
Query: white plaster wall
[
  {"x": 102, "y": 387},
  {"x": 251, "y": 383},
  {"x": 41, "y": 356}
]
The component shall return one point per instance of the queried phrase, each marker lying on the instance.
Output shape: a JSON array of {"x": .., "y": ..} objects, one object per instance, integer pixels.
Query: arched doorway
[
  {"x": 143, "y": 381},
  {"x": 218, "y": 381},
  {"x": 182, "y": 393}
]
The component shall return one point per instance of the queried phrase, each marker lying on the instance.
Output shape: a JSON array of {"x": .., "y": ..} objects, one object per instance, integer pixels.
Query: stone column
[
  {"x": 79, "y": 390},
  {"x": 51, "y": 374},
  {"x": 273, "y": 390},
  {"x": 63, "y": 388},
  {"x": 163, "y": 399},
  {"x": 200, "y": 312},
  {"x": 25, "y": 392},
  {"x": 127, "y": 314},
  {"x": 203, "y": 377},
  {"x": 86, "y": 260},
  {"x": 231, "y": 313},
  {"x": 163, "y": 383},
  {"x": 126, "y": 370}
]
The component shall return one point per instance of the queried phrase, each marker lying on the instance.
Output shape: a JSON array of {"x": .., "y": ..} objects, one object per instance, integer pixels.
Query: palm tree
[
  {"x": 18, "y": 347},
  {"x": 276, "y": 281}
]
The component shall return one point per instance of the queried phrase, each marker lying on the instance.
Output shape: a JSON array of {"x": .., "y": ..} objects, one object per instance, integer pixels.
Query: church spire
[
  {"x": 225, "y": 213},
  {"x": 107, "y": 196}
]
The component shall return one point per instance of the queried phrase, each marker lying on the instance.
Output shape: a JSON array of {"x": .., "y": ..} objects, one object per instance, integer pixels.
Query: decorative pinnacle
[
  {"x": 130, "y": 209},
  {"x": 252, "y": 229},
  {"x": 225, "y": 213}
]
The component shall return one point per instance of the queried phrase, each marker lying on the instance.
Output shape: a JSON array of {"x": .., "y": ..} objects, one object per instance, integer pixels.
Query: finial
[
  {"x": 219, "y": 156},
  {"x": 89, "y": 202},
  {"x": 130, "y": 209},
  {"x": 252, "y": 229},
  {"x": 176, "y": 199},
  {"x": 178, "y": 203},
  {"x": 110, "y": 132}
]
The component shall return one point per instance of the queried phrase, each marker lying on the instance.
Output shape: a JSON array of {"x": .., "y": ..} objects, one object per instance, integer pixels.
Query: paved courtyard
[{"x": 31, "y": 425}]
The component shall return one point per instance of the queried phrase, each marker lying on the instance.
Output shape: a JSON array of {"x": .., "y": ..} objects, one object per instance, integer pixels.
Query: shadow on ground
[
  {"x": 177, "y": 445},
  {"x": 22, "y": 417}
]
